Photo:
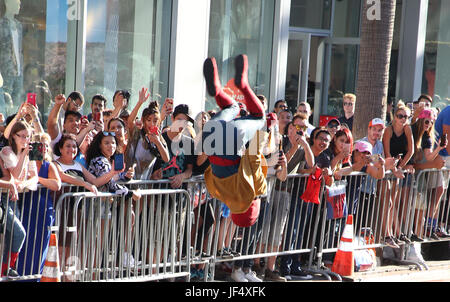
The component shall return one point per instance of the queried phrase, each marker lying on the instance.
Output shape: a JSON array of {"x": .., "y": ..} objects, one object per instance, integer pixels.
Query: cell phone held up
[
  {"x": 36, "y": 151},
  {"x": 31, "y": 99},
  {"x": 97, "y": 117},
  {"x": 119, "y": 162}
]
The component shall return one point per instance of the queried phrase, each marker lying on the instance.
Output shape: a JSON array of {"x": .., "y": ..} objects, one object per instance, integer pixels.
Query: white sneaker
[
  {"x": 238, "y": 275},
  {"x": 128, "y": 260},
  {"x": 251, "y": 277}
]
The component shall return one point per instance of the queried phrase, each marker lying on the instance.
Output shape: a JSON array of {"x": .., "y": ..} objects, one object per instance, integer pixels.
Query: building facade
[{"x": 298, "y": 49}]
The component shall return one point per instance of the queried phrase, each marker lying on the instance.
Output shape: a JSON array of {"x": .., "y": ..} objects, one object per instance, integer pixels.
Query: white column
[
  {"x": 411, "y": 50},
  {"x": 280, "y": 51},
  {"x": 189, "y": 49},
  {"x": 76, "y": 45}
]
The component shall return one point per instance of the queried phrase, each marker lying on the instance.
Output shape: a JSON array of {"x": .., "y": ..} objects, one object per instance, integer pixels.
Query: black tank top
[{"x": 398, "y": 144}]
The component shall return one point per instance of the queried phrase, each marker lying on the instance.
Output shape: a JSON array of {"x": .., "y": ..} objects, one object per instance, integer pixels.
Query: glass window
[
  {"x": 347, "y": 17},
  {"x": 311, "y": 13},
  {"x": 343, "y": 72},
  {"x": 127, "y": 47},
  {"x": 242, "y": 27},
  {"x": 436, "y": 69},
  {"x": 33, "y": 37}
]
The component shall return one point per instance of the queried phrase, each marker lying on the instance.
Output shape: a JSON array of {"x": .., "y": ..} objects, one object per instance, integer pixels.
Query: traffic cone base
[{"x": 343, "y": 261}]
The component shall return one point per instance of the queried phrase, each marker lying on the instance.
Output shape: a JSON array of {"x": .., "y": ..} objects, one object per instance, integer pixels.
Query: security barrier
[{"x": 107, "y": 237}]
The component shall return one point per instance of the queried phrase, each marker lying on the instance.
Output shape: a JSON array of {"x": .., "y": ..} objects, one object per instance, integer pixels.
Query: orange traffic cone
[
  {"x": 343, "y": 261},
  {"x": 51, "y": 266}
]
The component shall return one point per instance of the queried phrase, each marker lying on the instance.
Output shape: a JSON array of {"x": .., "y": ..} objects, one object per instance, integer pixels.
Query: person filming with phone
[{"x": 145, "y": 145}]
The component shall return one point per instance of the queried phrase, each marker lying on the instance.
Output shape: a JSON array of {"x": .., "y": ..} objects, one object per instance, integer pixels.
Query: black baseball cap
[{"x": 183, "y": 108}]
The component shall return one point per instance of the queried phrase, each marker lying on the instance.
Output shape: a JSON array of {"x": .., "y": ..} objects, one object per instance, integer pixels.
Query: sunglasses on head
[{"x": 106, "y": 133}]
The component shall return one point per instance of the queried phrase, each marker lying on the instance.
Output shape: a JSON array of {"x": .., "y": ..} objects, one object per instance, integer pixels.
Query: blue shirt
[{"x": 442, "y": 119}]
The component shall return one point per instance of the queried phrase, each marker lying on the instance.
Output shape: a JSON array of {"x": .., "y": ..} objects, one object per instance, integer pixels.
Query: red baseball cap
[{"x": 248, "y": 218}]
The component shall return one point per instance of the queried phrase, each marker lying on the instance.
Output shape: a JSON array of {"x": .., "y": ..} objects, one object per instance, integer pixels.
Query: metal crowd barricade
[
  {"x": 286, "y": 226},
  {"x": 170, "y": 231},
  {"x": 115, "y": 239}
]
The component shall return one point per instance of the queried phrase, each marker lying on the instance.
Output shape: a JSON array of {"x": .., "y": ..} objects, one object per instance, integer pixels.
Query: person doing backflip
[{"x": 237, "y": 172}]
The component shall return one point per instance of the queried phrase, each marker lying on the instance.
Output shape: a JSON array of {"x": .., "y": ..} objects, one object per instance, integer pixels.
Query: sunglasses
[
  {"x": 348, "y": 104},
  {"x": 301, "y": 128},
  {"x": 401, "y": 116},
  {"x": 106, "y": 133},
  {"x": 427, "y": 122},
  {"x": 332, "y": 126}
]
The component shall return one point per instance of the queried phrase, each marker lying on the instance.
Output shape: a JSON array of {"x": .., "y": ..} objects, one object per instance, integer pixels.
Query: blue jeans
[{"x": 14, "y": 232}]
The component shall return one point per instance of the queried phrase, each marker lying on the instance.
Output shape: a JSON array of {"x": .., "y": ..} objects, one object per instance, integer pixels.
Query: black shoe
[
  {"x": 12, "y": 274},
  {"x": 211, "y": 75},
  {"x": 442, "y": 234},
  {"x": 415, "y": 238},
  {"x": 241, "y": 66},
  {"x": 224, "y": 254},
  {"x": 405, "y": 239},
  {"x": 434, "y": 236}
]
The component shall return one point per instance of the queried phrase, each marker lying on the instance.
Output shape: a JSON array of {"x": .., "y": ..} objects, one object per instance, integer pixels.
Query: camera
[{"x": 36, "y": 151}]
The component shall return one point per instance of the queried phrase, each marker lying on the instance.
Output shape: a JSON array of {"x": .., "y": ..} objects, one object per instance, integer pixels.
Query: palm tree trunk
[{"x": 373, "y": 70}]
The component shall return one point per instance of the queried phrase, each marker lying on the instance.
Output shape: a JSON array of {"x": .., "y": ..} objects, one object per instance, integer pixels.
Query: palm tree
[{"x": 373, "y": 70}]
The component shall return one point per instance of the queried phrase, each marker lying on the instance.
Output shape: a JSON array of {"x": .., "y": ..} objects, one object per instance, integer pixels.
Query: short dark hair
[
  {"x": 65, "y": 137},
  {"x": 75, "y": 95},
  {"x": 279, "y": 102},
  {"x": 426, "y": 97},
  {"x": 72, "y": 113},
  {"x": 99, "y": 97}
]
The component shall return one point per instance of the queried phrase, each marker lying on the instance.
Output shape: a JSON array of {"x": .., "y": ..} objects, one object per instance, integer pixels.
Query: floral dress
[{"x": 100, "y": 166}]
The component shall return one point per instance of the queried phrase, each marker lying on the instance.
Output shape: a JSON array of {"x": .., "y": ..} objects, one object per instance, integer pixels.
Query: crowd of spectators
[{"x": 81, "y": 150}]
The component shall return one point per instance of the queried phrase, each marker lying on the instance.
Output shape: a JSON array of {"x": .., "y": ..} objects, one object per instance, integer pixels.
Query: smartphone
[
  {"x": 36, "y": 151},
  {"x": 374, "y": 158},
  {"x": 443, "y": 139},
  {"x": 31, "y": 99},
  {"x": 118, "y": 162},
  {"x": 97, "y": 116},
  {"x": 410, "y": 106},
  {"x": 154, "y": 130}
]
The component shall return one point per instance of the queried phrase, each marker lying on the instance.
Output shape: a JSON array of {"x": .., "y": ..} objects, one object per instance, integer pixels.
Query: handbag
[
  {"x": 336, "y": 200},
  {"x": 313, "y": 185}
]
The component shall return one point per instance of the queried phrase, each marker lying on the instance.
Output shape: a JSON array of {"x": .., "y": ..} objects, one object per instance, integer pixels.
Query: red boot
[
  {"x": 213, "y": 85},
  {"x": 7, "y": 269},
  {"x": 254, "y": 105}
]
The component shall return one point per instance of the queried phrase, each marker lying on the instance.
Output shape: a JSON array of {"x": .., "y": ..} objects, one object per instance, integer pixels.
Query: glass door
[{"x": 305, "y": 70}]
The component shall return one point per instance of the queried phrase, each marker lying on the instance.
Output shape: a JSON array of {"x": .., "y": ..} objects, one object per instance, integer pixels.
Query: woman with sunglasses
[
  {"x": 38, "y": 215},
  {"x": 398, "y": 142},
  {"x": 431, "y": 187},
  {"x": 146, "y": 145}
]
